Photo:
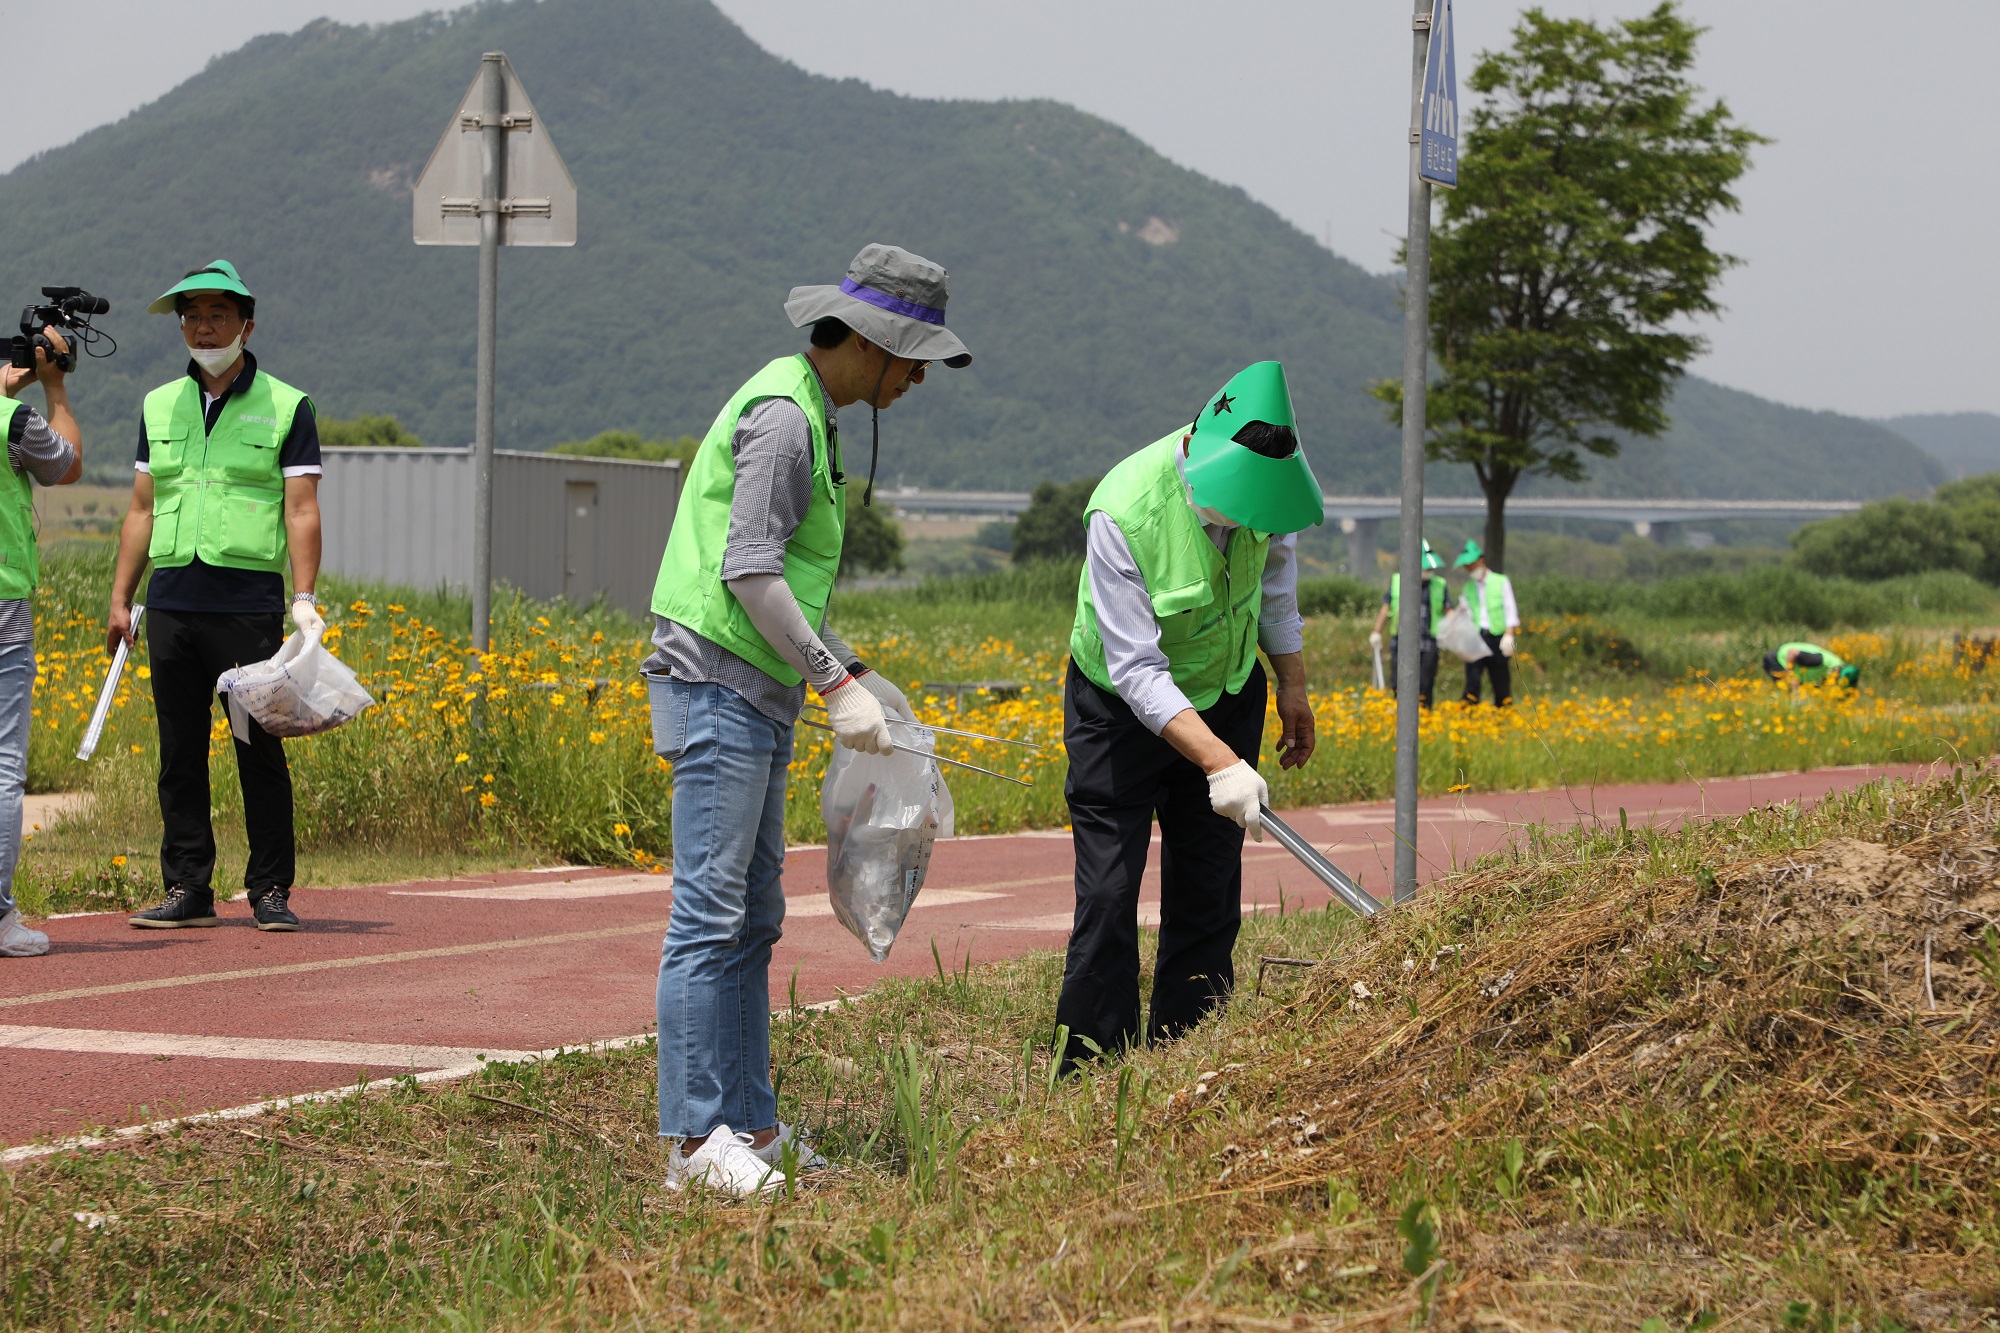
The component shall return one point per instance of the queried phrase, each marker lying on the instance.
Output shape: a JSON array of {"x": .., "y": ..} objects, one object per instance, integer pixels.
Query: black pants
[
  {"x": 1120, "y": 777},
  {"x": 1427, "y": 670},
  {"x": 188, "y": 651},
  {"x": 1493, "y": 665}
]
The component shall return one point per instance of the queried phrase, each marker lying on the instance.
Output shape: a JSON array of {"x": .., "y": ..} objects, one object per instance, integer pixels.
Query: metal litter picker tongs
[
  {"x": 95, "y": 731},
  {"x": 1323, "y": 870},
  {"x": 926, "y": 754}
]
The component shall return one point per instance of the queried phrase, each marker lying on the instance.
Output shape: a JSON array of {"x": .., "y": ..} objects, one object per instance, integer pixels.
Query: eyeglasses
[{"x": 214, "y": 319}]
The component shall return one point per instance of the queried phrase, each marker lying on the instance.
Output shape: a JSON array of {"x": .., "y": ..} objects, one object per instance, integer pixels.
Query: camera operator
[
  {"x": 226, "y": 500},
  {"x": 49, "y": 449}
]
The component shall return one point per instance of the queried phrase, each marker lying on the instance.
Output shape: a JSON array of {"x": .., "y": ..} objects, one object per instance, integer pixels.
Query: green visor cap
[
  {"x": 1470, "y": 554},
  {"x": 1431, "y": 558},
  {"x": 1257, "y": 477},
  {"x": 217, "y": 277}
]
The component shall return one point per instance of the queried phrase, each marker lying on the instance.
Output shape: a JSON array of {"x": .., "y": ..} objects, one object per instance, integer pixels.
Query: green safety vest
[
  {"x": 20, "y": 562},
  {"x": 690, "y": 590},
  {"x": 1829, "y": 662},
  {"x": 219, "y": 494},
  {"x": 1496, "y": 602},
  {"x": 1436, "y": 585},
  {"x": 1205, "y": 600}
]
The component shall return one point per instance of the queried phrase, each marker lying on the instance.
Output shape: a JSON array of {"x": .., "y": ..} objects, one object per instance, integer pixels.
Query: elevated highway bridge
[{"x": 1361, "y": 516}]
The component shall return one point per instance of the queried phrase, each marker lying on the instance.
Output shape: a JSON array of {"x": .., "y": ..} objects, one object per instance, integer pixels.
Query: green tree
[
  {"x": 1051, "y": 527},
  {"x": 1974, "y": 504},
  {"x": 366, "y": 433},
  {"x": 630, "y": 444},
  {"x": 1565, "y": 264},
  {"x": 874, "y": 542},
  {"x": 1885, "y": 540}
]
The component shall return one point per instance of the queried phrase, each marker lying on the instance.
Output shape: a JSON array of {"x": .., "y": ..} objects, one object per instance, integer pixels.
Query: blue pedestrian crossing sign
[{"x": 1437, "y": 158}]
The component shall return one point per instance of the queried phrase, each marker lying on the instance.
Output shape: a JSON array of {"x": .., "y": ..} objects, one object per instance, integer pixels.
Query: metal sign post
[
  {"x": 494, "y": 179},
  {"x": 1433, "y": 157}
]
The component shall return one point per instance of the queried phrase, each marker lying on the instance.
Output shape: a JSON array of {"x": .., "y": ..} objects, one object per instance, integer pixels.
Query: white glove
[
  {"x": 1374, "y": 638},
  {"x": 1237, "y": 792},
  {"x": 857, "y": 720},
  {"x": 892, "y": 700},
  {"x": 1507, "y": 644},
  {"x": 307, "y": 617}
]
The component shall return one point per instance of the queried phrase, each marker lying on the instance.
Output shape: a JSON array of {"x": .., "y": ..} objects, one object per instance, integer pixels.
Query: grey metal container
[{"x": 562, "y": 526}]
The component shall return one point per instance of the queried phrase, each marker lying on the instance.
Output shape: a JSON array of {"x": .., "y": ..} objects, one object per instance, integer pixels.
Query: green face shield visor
[
  {"x": 217, "y": 277},
  {"x": 1244, "y": 461}
]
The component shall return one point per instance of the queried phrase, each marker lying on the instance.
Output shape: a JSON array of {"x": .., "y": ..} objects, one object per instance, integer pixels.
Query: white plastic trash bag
[
  {"x": 304, "y": 689},
  {"x": 882, "y": 814},
  {"x": 1457, "y": 634}
]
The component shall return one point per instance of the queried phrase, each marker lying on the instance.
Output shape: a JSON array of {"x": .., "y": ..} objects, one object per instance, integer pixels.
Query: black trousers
[
  {"x": 1122, "y": 776},
  {"x": 1427, "y": 670},
  {"x": 188, "y": 651},
  {"x": 1493, "y": 665}
]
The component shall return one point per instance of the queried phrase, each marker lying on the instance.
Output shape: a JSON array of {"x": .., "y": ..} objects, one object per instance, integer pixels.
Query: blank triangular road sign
[{"x": 537, "y": 197}]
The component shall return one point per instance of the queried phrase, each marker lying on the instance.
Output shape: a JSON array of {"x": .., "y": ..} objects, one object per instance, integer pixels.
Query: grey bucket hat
[{"x": 892, "y": 298}]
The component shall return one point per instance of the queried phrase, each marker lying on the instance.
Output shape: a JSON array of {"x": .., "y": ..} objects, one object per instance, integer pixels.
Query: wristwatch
[{"x": 298, "y": 597}]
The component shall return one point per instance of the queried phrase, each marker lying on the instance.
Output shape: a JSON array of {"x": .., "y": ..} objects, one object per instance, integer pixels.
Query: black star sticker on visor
[{"x": 1222, "y": 404}]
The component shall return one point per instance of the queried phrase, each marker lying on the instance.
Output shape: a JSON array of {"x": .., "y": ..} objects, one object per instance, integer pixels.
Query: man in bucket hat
[
  {"x": 740, "y": 611},
  {"x": 1191, "y": 567},
  {"x": 225, "y": 504}
]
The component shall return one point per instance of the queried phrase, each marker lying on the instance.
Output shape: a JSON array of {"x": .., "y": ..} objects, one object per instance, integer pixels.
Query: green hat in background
[
  {"x": 1470, "y": 554},
  {"x": 1244, "y": 460},
  {"x": 1431, "y": 558},
  {"x": 217, "y": 277}
]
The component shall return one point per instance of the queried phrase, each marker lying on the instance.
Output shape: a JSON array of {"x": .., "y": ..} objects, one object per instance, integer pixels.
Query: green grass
[{"x": 1475, "y": 1080}]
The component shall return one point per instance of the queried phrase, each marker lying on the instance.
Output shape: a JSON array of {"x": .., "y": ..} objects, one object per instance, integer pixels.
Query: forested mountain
[
  {"x": 1104, "y": 291},
  {"x": 1966, "y": 443}
]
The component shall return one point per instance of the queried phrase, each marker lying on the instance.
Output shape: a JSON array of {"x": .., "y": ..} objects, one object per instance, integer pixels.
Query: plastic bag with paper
[
  {"x": 882, "y": 814},
  {"x": 1457, "y": 634},
  {"x": 303, "y": 690}
]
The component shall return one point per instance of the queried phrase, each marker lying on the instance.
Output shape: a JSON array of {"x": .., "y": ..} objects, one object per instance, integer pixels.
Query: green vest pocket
[
  {"x": 244, "y": 526},
  {"x": 166, "y": 527},
  {"x": 166, "y": 452}
]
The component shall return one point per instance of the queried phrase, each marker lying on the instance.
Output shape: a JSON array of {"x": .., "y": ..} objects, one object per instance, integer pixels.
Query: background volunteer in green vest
[
  {"x": 740, "y": 611},
  {"x": 1809, "y": 664},
  {"x": 1429, "y": 612},
  {"x": 1190, "y": 567},
  {"x": 1488, "y": 598},
  {"x": 48, "y": 449},
  {"x": 225, "y": 501}
]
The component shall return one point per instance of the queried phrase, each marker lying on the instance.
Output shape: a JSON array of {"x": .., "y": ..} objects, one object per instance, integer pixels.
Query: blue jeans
[
  {"x": 17, "y": 693},
  {"x": 714, "y": 998}
]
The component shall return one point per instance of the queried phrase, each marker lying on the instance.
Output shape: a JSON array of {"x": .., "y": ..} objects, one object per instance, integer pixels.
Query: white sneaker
[
  {"x": 725, "y": 1163},
  {"x": 774, "y": 1151},
  {"x": 17, "y": 941}
]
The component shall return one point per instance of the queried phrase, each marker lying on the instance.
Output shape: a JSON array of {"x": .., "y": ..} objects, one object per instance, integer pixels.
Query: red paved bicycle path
[{"x": 534, "y": 960}]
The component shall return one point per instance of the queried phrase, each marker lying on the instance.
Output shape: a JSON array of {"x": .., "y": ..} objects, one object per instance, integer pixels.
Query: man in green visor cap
[
  {"x": 1429, "y": 612},
  {"x": 225, "y": 504},
  {"x": 1488, "y": 601},
  {"x": 1191, "y": 566}
]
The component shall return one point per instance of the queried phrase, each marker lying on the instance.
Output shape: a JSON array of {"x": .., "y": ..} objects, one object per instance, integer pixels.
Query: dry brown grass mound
[{"x": 1686, "y": 1051}]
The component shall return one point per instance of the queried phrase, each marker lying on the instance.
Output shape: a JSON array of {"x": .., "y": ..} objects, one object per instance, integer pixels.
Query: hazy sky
[{"x": 1870, "y": 286}]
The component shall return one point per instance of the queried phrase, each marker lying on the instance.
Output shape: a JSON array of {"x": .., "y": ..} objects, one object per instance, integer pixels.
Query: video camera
[{"x": 68, "y": 311}]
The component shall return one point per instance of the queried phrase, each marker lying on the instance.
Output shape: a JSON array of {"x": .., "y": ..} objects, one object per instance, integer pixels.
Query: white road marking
[
  {"x": 359, "y": 1054},
  {"x": 29, "y": 1151},
  {"x": 820, "y": 906},
  {"x": 616, "y": 886}
]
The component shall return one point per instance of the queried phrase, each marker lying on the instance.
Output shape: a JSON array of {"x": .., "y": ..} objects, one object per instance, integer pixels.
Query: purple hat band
[{"x": 895, "y": 305}]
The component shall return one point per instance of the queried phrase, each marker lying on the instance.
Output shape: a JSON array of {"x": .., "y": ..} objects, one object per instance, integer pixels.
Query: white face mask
[{"x": 215, "y": 360}]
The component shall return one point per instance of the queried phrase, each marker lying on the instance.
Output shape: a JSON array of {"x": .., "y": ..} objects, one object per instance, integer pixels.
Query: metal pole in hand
[
  {"x": 1416, "y": 334},
  {"x": 492, "y": 188}
]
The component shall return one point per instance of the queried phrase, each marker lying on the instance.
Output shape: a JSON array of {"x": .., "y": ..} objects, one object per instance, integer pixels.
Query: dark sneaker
[
  {"x": 272, "y": 910},
  {"x": 185, "y": 906}
]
